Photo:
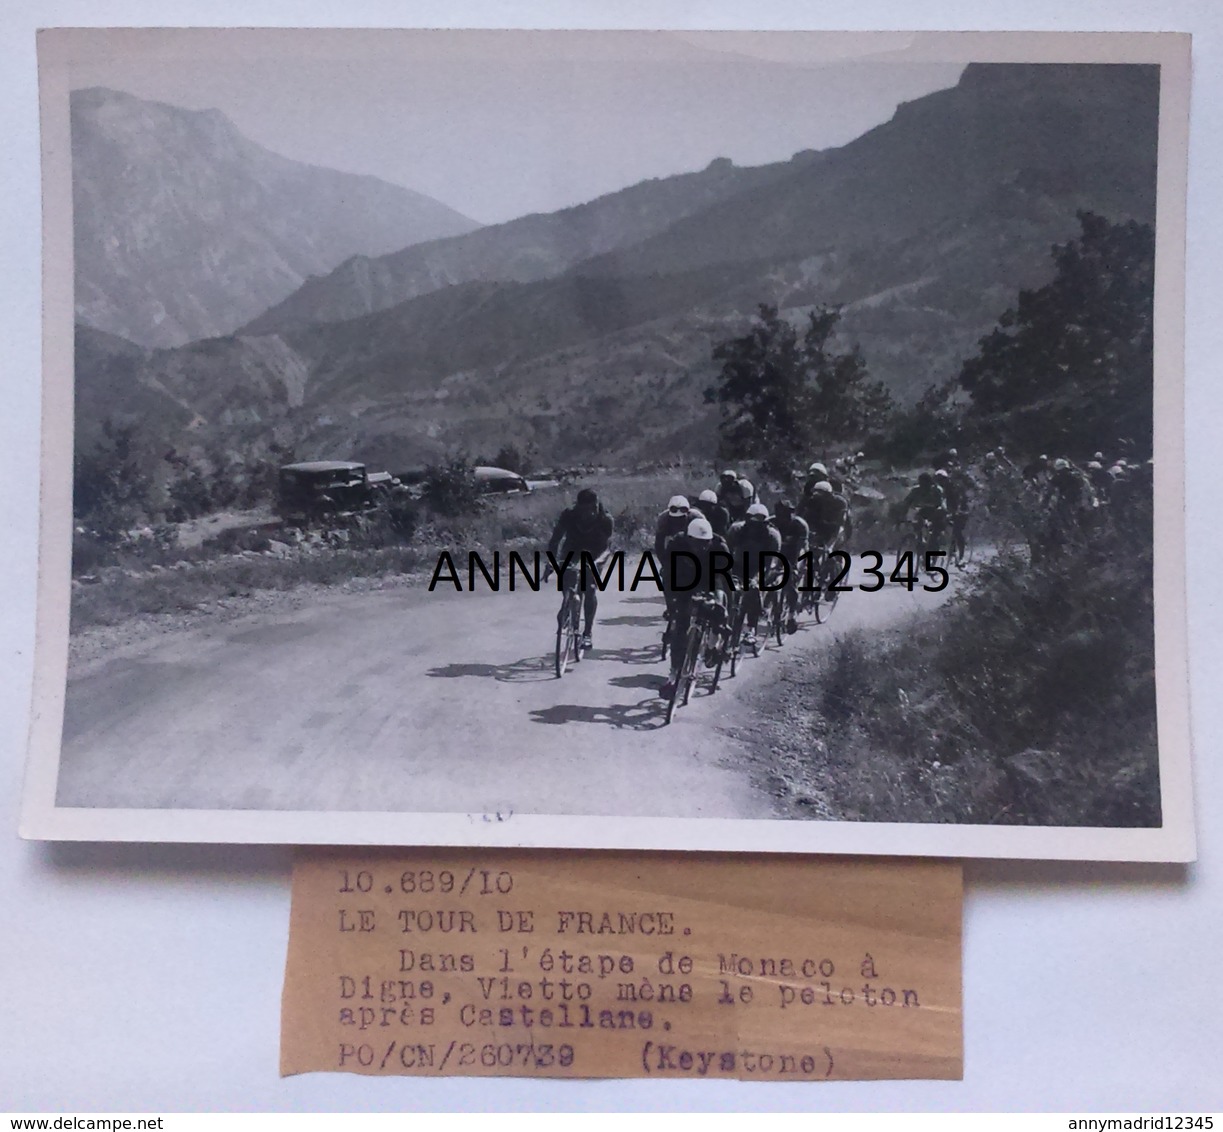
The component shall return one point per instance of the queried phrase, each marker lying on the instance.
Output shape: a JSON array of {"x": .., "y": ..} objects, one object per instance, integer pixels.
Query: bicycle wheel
[
  {"x": 966, "y": 551},
  {"x": 909, "y": 544},
  {"x": 723, "y": 638},
  {"x": 692, "y": 659},
  {"x": 686, "y": 676},
  {"x": 777, "y": 617},
  {"x": 567, "y": 634},
  {"x": 735, "y": 643},
  {"x": 575, "y": 628},
  {"x": 562, "y": 640}
]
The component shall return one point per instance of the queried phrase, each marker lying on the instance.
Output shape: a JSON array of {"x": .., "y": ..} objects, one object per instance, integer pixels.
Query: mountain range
[
  {"x": 186, "y": 229},
  {"x": 587, "y": 333}
]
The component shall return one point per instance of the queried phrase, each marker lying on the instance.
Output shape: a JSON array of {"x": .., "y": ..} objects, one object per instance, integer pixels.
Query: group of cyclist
[
  {"x": 1066, "y": 495},
  {"x": 723, "y": 535},
  {"x": 728, "y": 525}
]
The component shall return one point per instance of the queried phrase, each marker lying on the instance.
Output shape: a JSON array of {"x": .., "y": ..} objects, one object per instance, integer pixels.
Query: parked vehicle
[
  {"x": 498, "y": 481},
  {"x": 318, "y": 489}
]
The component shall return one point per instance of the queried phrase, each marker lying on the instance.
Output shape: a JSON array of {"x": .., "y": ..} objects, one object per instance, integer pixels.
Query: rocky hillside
[
  {"x": 530, "y": 248},
  {"x": 924, "y": 229},
  {"x": 186, "y": 229}
]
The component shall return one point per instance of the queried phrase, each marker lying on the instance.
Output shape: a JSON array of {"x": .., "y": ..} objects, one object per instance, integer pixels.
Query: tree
[
  {"x": 1071, "y": 362},
  {"x": 111, "y": 490},
  {"x": 450, "y": 489},
  {"x": 785, "y": 397}
]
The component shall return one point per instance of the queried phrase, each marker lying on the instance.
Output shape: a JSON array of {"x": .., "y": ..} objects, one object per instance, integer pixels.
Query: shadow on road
[
  {"x": 659, "y": 600},
  {"x": 526, "y": 670},
  {"x": 653, "y": 683},
  {"x": 648, "y": 654},
  {"x": 633, "y": 619},
  {"x": 647, "y": 715}
]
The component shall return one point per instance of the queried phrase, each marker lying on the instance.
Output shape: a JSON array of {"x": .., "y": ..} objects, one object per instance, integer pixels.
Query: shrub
[{"x": 450, "y": 488}]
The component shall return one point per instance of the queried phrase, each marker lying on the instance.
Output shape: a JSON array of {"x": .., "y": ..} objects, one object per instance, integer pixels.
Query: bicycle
[
  {"x": 917, "y": 538},
  {"x": 961, "y": 544},
  {"x": 569, "y": 626},
  {"x": 773, "y": 614},
  {"x": 740, "y": 601},
  {"x": 705, "y": 639},
  {"x": 736, "y": 612},
  {"x": 822, "y": 598}
]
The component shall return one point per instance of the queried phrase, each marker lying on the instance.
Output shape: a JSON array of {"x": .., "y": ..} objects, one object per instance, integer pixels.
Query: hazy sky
[{"x": 498, "y": 124}]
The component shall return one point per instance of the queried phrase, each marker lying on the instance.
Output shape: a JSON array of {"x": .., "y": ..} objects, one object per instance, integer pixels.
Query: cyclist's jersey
[
  {"x": 795, "y": 537},
  {"x": 1071, "y": 488},
  {"x": 667, "y": 526},
  {"x": 1101, "y": 481},
  {"x": 581, "y": 530},
  {"x": 826, "y": 514},
  {"x": 736, "y": 498},
  {"x": 749, "y": 537},
  {"x": 958, "y": 491},
  {"x": 929, "y": 502},
  {"x": 718, "y": 516},
  {"x": 689, "y": 578}
]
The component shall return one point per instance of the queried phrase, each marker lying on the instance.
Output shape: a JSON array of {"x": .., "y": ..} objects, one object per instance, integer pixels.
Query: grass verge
[{"x": 1028, "y": 699}]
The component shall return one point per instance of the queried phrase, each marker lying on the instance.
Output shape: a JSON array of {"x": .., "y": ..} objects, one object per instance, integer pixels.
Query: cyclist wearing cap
[
  {"x": 957, "y": 490},
  {"x": 795, "y": 542},
  {"x": 673, "y": 521},
  {"x": 1101, "y": 481},
  {"x": 583, "y": 529},
  {"x": 692, "y": 576},
  {"x": 827, "y": 514},
  {"x": 928, "y": 500},
  {"x": 748, "y": 539},
  {"x": 736, "y": 494},
  {"x": 1069, "y": 489},
  {"x": 815, "y": 473},
  {"x": 708, "y": 506}
]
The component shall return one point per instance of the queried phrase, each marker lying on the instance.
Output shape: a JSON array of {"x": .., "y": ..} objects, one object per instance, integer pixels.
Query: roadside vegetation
[
  {"x": 1028, "y": 699},
  {"x": 146, "y": 571}
]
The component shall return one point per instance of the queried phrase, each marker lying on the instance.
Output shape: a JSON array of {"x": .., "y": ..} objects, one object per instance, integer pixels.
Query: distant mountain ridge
[
  {"x": 524, "y": 250},
  {"x": 923, "y": 230},
  {"x": 185, "y": 229}
]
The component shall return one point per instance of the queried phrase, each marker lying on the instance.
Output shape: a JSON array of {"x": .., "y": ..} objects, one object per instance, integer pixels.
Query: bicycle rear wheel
[
  {"x": 825, "y": 597},
  {"x": 735, "y": 645},
  {"x": 686, "y": 676},
  {"x": 777, "y": 617},
  {"x": 566, "y": 637}
]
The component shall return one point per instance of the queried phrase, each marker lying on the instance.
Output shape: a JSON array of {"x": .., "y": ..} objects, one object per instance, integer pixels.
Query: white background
[{"x": 145, "y": 978}]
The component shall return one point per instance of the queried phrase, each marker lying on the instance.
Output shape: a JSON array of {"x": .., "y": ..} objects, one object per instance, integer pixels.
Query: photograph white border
[{"x": 1173, "y": 841}]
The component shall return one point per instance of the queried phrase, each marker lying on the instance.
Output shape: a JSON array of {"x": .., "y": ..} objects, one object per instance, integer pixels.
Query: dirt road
[{"x": 406, "y": 701}]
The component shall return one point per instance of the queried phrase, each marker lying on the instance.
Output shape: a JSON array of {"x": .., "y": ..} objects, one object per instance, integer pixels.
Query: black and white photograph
[{"x": 711, "y": 440}]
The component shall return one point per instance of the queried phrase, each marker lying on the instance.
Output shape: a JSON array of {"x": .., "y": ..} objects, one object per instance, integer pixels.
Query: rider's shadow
[
  {"x": 527, "y": 670},
  {"x": 649, "y": 654},
  {"x": 632, "y": 619},
  {"x": 647, "y": 715}
]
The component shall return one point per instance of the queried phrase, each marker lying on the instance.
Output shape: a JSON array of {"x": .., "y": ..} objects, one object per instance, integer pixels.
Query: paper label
[{"x": 564, "y": 964}]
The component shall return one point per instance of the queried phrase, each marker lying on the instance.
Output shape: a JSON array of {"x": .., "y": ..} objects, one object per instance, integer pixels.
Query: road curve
[{"x": 405, "y": 701}]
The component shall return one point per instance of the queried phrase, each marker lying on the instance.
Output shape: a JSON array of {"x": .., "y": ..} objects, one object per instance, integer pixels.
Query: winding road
[{"x": 403, "y": 700}]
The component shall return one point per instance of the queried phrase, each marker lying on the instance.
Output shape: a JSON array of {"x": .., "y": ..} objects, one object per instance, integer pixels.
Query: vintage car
[
  {"x": 498, "y": 481},
  {"x": 320, "y": 489}
]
